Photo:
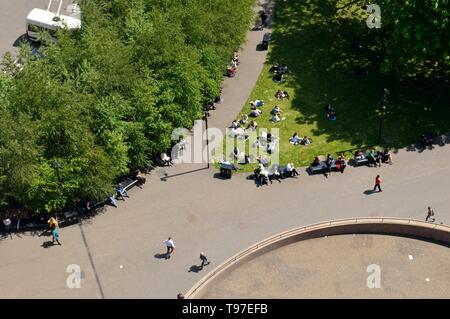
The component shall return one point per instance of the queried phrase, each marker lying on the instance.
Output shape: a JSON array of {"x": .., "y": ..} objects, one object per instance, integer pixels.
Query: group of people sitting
[
  {"x": 279, "y": 94},
  {"x": 279, "y": 72},
  {"x": 264, "y": 176},
  {"x": 276, "y": 114},
  {"x": 296, "y": 140},
  {"x": 255, "y": 111},
  {"x": 375, "y": 158},
  {"x": 232, "y": 67},
  {"x": 340, "y": 164},
  {"x": 331, "y": 112}
]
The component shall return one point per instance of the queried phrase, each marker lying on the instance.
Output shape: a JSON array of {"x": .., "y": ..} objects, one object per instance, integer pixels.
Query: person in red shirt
[{"x": 377, "y": 183}]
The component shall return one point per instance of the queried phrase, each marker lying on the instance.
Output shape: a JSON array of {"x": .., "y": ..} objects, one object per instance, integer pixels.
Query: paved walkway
[{"x": 219, "y": 217}]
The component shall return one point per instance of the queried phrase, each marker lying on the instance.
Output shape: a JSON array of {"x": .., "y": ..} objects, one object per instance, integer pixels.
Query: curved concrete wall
[{"x": 386, "y": 226}]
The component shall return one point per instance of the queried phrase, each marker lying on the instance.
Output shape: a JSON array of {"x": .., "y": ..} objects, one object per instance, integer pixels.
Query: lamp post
[
  {"x": 206, "y": 114},
  {"x": 383, "y": 107}
]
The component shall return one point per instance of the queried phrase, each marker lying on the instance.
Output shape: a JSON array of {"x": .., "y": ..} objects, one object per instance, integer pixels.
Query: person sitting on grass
[
  {"x": 234, "y": 124},
  {"x": 253, "y": 125},
  {"x": 295, "y": 139},
  {"x": 262, "y": 159},
  {"x": 275, "y": 118},
  {"x": 255, "y": 111},
  {"x": 244, "y": 119},
  {"x": 257, "y": 103},
  {"x": 276, "y": 110},
  {"x": 281, "y": 94},
  {"x": 271, "y": 147},
  {"x": 236, "y": 153},
  {"x": 306, "y": 140}
]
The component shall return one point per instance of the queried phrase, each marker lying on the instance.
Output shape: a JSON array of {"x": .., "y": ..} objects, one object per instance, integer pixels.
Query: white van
[{"x": 39, "y": 20}]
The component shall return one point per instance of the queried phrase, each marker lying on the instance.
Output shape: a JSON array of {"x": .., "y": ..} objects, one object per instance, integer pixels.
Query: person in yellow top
[{"x": 52, "y": 223}]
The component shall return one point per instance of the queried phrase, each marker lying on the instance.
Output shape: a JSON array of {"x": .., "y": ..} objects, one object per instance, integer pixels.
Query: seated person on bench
[
  {"x": 359, "y": 155},
  {"x": 140, "y": 179},
  {"x": 166, "y": 159},
  {"x": 371, "y": 157},
  {"x": 316, "y": 162},
  {"x": 121, "y": 192},
  {"x": 340, "y": 163},
  {"x": 387, "y": 157},
  {"x": 378, "y": 158},
  {"x": 290, "y": 170}
]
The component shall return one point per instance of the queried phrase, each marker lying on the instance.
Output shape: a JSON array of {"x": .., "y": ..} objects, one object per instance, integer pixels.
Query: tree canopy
[{"x": 104, "y": 99}]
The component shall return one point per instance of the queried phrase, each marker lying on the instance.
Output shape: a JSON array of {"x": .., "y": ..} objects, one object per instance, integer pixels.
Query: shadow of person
[
  {"x": 369, "y": 192},
  {"x": 195, "y": 268},
  {"x": 47, "y": 244},
  {"x": 161, "y": 256}
]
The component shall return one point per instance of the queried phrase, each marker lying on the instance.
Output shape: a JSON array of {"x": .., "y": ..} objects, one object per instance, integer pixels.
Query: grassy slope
[{"x": 314, "y": 42}]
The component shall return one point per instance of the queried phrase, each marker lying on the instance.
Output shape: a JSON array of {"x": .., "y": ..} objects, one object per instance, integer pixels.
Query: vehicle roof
[{"x": 46, "y": 17}]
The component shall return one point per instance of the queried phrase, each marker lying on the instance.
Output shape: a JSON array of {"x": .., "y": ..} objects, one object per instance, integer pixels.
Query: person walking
[
  {"x": 53, "y": 224},
  {"x": 170, "y": 247},
  {"x": 204, "y": 260},
  {"x": 55, "y": 236},
  {"x": 430, "y": 214},
  {"x": 377, "y": 184}
]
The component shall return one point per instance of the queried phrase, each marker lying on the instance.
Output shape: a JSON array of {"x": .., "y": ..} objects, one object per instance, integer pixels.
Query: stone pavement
[
  {"x": 340, "y": 270},
  {"x": 219, "y": 217}
]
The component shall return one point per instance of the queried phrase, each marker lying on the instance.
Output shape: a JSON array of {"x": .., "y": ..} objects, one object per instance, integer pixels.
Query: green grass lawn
[{"x": 315, "y": 42}]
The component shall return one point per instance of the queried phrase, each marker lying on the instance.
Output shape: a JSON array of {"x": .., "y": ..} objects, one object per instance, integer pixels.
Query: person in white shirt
[
  {"x": 7, "y": 224},
  {"x": 170, "y": 247},
  {"x": 236, "y": 153},
  {"x": 166, "y": 159},
  {"x": 244, "y": 119},
  {"x": 290, "y": 169},
  {"x": 256, "y": 112},
  {"x": 275, "y": 118},
  {"x": 235, "y": 124},
  {"x": 271, "y": 147}
]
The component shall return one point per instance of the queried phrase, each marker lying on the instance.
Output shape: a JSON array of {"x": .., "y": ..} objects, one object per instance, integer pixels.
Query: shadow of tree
[{"x": 323, "y": 52}]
